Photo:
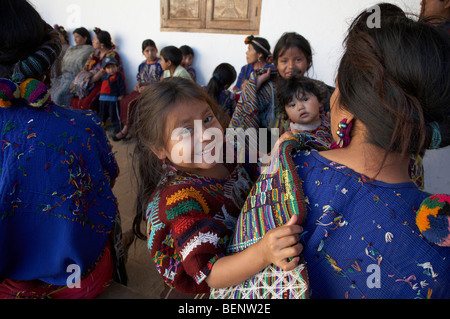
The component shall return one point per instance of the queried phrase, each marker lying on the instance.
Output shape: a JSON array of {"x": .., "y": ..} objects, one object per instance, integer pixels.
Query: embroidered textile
[
  {"x": 56, "y": 203},
  {"x": 361, "y": 231},
  {"x": 273, "y": 200}
]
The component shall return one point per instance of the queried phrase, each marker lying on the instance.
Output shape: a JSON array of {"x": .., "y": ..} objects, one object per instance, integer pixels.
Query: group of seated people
[{"x": 332, "y": 207}]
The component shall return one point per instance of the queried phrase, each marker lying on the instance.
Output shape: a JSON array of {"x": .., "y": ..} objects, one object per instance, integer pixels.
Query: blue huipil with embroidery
[
  {"x": 56, "y": 204},
  {"x": 360, "y": 237}
]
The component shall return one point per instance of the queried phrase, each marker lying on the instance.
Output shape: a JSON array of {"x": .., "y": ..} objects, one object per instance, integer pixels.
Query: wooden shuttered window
[{"x": 213, "y": 16}]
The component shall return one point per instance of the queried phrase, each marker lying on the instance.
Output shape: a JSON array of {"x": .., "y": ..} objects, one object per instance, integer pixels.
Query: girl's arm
[{"x": 275, "y": 247}]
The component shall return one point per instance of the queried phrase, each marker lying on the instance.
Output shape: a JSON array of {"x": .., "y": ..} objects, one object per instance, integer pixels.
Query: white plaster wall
[{"x": 322, "y": 22}]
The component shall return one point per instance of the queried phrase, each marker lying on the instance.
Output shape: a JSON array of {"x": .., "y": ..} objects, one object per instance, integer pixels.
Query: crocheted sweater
[{"x": 190, "y": 220}]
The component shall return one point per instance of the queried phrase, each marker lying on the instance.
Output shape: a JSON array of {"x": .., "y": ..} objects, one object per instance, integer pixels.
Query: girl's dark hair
[
  {"x": 186, "y": 50},
  {"x": 224, "y": 74},
  {"x": 295, "y": 86},
  {"x": 258, "y": 49},
  {"x": 22, "y": 32},
  {"x": 148, "y": 43},
  {"x": 149, "y": 117},
  {"x": 394, "y": 79},
  {"x": 104, "y": 38},
  {"x": 173, "y": 54},
  {"x": 84, "y": 33},
  {"x": 289, "y": 40}
]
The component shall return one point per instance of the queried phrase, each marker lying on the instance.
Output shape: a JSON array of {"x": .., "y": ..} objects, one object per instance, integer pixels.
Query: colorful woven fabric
[
  {"x": 273, "y": 200},
  {"x": 9, "y": 92},
  {"x": 149, "y": 72},
  {"x": 34, "y": 92},
  {"x": 433, "y": 219}
]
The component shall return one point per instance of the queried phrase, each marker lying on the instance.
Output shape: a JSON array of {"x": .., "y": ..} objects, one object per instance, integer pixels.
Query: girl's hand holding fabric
[{"x": 281, "y": 244}]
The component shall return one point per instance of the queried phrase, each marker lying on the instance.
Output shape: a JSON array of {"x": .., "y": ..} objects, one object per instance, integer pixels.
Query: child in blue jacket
[{"x": 111, "y": 93}]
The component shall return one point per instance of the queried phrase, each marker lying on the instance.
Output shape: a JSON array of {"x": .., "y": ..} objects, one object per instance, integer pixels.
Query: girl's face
[
  {"x": 292, "y": 61},
  {"x": 150, "y": 53},
  {"x": 79, "y": 40},
  {"x": 304, "y": 109},
  {"x": 251, "y": 55},
  {"x": 187, "y": 60},
  {"x": 194, "y": 138}
]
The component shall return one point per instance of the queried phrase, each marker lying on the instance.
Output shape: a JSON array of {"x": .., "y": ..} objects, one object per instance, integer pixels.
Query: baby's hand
[
  {"x": 283, "y": 138},
  {"x": 282, "y": 243}
]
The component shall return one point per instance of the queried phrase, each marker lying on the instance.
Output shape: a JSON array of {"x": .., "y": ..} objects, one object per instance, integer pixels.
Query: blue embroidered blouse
[
  {"x": 360, "y": 237},
  {"x": 56, "y": 203}
]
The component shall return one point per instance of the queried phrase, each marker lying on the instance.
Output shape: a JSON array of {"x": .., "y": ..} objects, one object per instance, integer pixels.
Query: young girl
[
  {"x": 299, "y": 101},
  {"x": 149, "y": 71},
  {"x": 292, "y": 55},
  {"x": 361, "y": 238},
  {"x": 258, "y": 57},
  {"x": 188, "y": 60},
  {"x": 191, "y": 205},
  {"x": 171, "y": 58},
  {"x": 223, "y": 76}
]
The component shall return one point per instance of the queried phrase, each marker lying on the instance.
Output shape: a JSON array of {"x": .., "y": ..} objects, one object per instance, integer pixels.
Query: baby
[{"x": 299, "y": 101}]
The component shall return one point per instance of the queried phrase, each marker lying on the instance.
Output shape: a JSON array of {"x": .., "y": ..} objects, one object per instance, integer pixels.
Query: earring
[
  {"x": 343, "y": 134},
  {"x": 164, "y": 166}
]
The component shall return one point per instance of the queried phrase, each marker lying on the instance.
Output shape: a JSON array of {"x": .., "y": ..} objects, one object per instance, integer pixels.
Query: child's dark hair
[
  {"x": 84, "y": 33},
  {"x": 173, "y": 54},
  {"x": 289, "y": 40},
  {"x": 148, "y": 43},
  {"x": 186, "y": 50},
  {"x": 394, "y": 79},
  {"x": 295, "y": 86},
  {"x": 149, "y": 118},
  {"x": 224, "y": 74}
]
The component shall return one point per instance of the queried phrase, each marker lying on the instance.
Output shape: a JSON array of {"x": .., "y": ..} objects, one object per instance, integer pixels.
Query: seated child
[
  {"x": 188, "y": 59},
  {"x": 191, "y": 199},
  {"x": 171, "y": 58},
  {"x": 223, "y": 76},
  {"x": 149, "y": 71},
  {"x": 111, "y": 93},
  {"x": 300, "y": 102}
]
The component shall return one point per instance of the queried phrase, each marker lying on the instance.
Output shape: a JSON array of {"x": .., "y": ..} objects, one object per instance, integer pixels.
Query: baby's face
[{"x": 304, "y": 109}]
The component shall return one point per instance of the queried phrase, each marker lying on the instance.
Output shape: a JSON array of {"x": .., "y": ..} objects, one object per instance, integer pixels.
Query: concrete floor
[{"x": 143, "y": 277}]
